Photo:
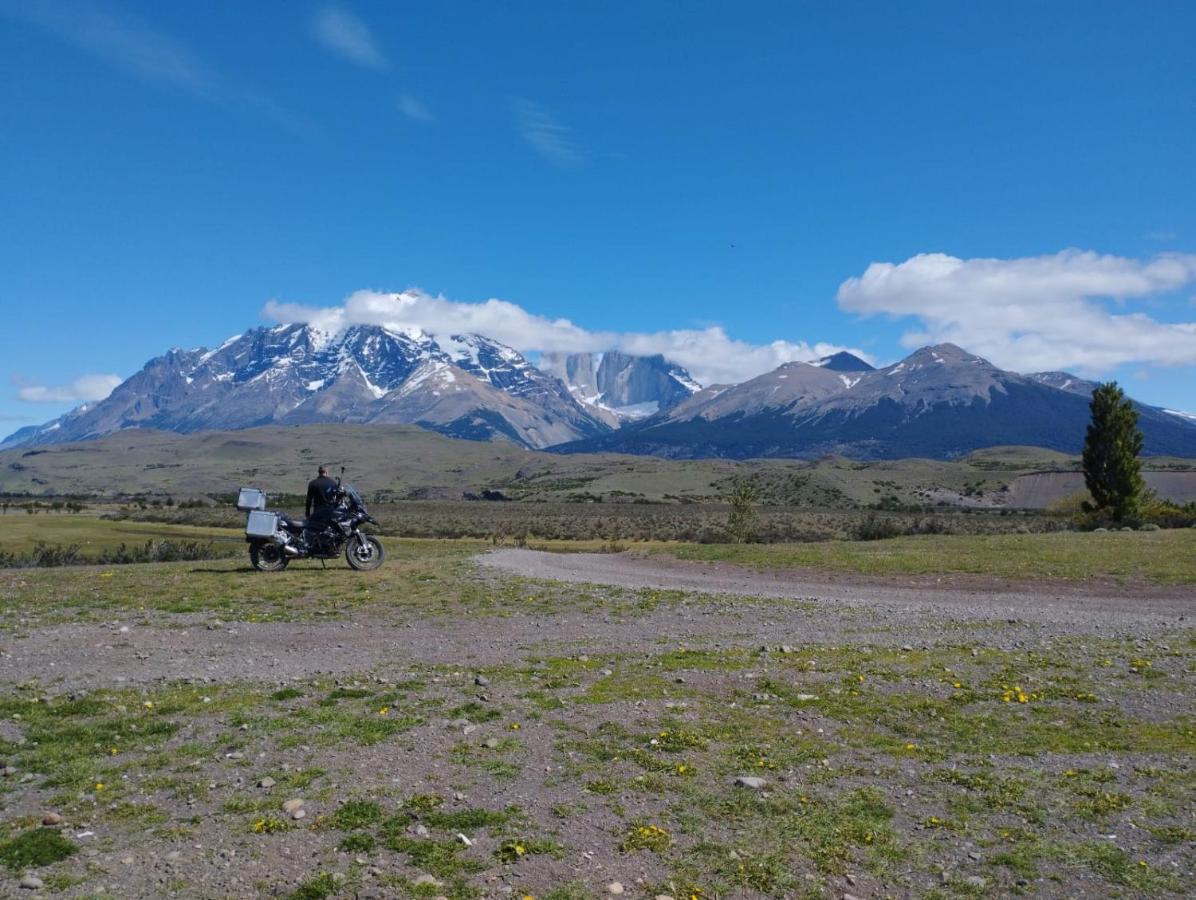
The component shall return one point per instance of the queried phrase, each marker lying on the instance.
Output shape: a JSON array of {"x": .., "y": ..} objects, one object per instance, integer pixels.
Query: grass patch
[
  {"x": 35, "y": 848},
  {"x": 355, "y": 814},
  {"x": 1167, "y": 557}
]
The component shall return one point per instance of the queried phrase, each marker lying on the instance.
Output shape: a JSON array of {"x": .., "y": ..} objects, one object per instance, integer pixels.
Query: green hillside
[{"x": 404, "y": 462}]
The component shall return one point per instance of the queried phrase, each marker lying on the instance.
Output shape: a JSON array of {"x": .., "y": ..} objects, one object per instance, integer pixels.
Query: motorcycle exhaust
[{"x": 291, "y": 550}]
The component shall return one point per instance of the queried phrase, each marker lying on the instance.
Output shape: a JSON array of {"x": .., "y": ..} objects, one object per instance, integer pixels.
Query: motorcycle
[{"x": 275, "y": 538}]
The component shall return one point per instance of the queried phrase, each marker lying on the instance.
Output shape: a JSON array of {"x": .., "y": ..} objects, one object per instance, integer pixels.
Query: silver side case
[{"x": 262, "y": 524}]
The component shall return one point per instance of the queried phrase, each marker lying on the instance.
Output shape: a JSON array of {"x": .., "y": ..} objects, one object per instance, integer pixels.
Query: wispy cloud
[
  {"x": 1035, "y": 313},
  {"x": 546, "y": 135},
  {"x": 710, "y": 354},
  {"x": 127, "y": 42},
  {"x": 86, "y": 388},
  {"x": 347, "y": 36},
  {"x": 413, "y": 108},
  {"x": 121, "y": 39}
]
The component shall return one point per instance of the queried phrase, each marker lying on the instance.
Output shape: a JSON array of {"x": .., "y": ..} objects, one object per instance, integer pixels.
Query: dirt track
[{"x": 959, "y": 596}]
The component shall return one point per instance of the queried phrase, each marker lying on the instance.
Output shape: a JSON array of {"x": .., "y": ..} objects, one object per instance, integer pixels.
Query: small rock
[
  {"x": 463, "y": 840},
  {"x": 124, "y": 629},
  {"x": 32, "y": 883},
  {"x": 614, "y": 888},
  {"x": 426, "y": 879},
  {"x": 850, "y": 897},
  {"x": 492, "y": 743},
  {"x": 236, "y": 754},
  {"x": 482, "y": 681},
  {"x": 751, "y": 781},
  {"x": 850, "y": 879},
  {"x": 662, "y": 897},
  {"x": 127, "y": 861},
  {"x": 458, "y": 796},
  {"x": 975, "y": 881},
  {"x": 266, "y": 783},
  {"x": 608, "y": 672},
  {"x": 51, "y": 819},
  {"x": 173, "y": 855},
  {"x": 293, "y": 805},
  {"x": 299, "y": 814},
  {"x": 974, "y": 856},
  {"x": 908, "y": 648},
  {"x": 9, "y": 771},
  {"x": 421, "y": 831}
]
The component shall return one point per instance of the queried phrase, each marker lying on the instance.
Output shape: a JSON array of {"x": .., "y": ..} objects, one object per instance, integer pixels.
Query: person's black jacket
[{"x": 321, "y": 492}]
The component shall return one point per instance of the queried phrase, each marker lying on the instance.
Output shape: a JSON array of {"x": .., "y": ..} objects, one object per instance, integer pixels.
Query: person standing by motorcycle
[{"x": 321, "y": 497}]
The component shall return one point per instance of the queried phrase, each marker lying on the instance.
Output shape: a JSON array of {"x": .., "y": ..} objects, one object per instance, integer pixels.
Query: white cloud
[
  {"x": 709, "y": 354},
  {"x": 1066, "y": 311},
  {"x": 347, "y": 36},
  {"x": 86, "y": 388},
  {"x": 547, "y": 136},
  {"x": 413, "y": 108}
]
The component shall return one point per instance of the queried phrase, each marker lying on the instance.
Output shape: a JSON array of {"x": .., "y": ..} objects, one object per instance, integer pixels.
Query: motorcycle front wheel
[
  {"x": 364, "y": 552},
  {"x": 267, "y": 557}
]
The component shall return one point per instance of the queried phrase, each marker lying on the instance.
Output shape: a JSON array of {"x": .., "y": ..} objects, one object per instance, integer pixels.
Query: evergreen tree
[{"x": 1112, "y": 470}]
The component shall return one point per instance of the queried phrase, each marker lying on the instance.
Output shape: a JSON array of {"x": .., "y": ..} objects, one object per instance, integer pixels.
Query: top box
[{"x": 250, "y": 499}]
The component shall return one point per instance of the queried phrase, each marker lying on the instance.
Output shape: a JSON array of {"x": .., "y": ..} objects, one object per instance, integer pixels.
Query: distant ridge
[{"x": 939, "y": 402}]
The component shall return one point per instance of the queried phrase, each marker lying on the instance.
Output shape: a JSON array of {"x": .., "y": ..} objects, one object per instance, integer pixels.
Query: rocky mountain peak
[
  {"x": 630, "y": 387},
  {"x": 843, "y": 362}
]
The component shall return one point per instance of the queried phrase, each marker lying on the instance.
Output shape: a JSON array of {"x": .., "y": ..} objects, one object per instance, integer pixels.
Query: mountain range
[{"x": 939, "y": 402}]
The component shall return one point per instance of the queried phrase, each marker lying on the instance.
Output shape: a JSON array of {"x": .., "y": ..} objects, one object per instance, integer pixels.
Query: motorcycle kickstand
[{"x": 323, "y": 565}]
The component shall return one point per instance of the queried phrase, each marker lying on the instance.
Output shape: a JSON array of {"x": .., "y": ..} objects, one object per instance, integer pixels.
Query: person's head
[{"x": 323, "y": 470}]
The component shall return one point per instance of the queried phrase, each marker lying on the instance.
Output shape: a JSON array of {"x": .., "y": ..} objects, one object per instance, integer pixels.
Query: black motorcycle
[{"x": 275, "y": 538}]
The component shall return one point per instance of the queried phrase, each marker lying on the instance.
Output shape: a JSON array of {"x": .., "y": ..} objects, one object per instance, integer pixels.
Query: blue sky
[{"x": 734, "y": 183}]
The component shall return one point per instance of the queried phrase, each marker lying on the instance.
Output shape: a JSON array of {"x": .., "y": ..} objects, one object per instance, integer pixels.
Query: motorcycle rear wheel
[
  {"x": 267, "y": 557},
  {"x": 364, "y": 552}
]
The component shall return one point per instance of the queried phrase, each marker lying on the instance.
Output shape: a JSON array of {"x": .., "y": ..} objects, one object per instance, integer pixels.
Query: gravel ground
[{"x": 548, "y": 700}]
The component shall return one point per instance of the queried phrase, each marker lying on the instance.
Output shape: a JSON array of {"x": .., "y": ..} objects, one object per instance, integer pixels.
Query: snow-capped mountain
[
  {"x": 939, "y": 402},
  {"x": 629, "y": 387},
  {"x": 465, "y": 385}
]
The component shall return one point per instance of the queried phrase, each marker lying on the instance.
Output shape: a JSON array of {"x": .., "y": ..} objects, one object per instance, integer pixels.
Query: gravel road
[{"x": 958, "y": 596}]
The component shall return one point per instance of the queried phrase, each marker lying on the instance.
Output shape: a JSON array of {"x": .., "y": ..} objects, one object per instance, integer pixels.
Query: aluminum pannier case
[
  {"x": 261, "y": 524},
  {"x": 251, "y": 498}
]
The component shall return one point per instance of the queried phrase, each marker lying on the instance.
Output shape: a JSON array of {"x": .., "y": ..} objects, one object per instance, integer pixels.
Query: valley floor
[{"x": 525, "y": 723}]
